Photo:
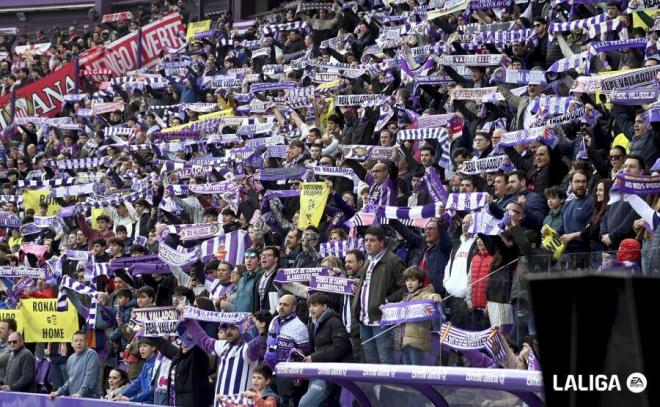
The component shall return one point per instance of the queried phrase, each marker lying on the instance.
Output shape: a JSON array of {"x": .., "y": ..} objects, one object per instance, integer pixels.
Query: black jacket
[
  {"x": 191, "y": 382},
  {"x": 270, "y": 287},
  {"x": 330, "y": 341}
]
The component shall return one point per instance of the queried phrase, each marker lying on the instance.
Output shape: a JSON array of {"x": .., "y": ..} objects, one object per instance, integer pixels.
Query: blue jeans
[
  {"x": 316, "y": 394},
  {"x": 379, "y": 350},
  {"x": 413, "y": 356}
]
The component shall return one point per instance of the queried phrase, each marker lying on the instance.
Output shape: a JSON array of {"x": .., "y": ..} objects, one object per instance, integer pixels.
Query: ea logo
[{"x": 636, "y": 382}]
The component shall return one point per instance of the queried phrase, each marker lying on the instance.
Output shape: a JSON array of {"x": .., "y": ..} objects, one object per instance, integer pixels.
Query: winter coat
[
  {"x": 387, "y": 284},
  {"x": 329, "y": 339},
  {"x": 191, "y": 382},
  {"x": 437, "y": 255},
  {"x": 418, "y": 334},
  {"x": 245, "y": 291},
  {"x": 479, "y": 268}
]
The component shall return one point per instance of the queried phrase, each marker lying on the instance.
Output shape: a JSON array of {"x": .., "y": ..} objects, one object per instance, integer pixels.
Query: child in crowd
[{"x": 417, "y": 335}]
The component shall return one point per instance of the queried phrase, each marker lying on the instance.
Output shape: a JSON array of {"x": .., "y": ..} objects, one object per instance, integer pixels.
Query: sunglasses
[
  {"x": 251, "y": 255},
  {"x": 614, "y": 157},
  {"x": 12, "y": 342}
]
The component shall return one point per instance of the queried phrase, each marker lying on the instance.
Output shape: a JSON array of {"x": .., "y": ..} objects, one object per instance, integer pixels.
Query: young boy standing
[{"x": 417, "y": 335}]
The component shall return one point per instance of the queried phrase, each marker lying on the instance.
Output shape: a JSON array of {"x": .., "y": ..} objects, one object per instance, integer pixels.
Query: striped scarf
[
  {"x": 77, "y": 164},
  {"x": 62, "y": 304},
  {"x": 437, "y": 133},
  {"x": 275, "y": 28},
  {"x": 577, "y": 24},
  {"x": 340, "y": 248},
  {"x": 45, "y": 183}
]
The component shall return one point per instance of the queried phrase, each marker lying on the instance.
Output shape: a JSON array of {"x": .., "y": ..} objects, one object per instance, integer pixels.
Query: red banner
[
  {"x": 111, "y": 18},
  {"x": 41, "y": 98},
  {"x": 121, "y": 56}
]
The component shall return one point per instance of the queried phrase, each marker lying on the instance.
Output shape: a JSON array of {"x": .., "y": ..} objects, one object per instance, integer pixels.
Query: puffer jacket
[
  {"x": 479, "y": 268},
  {"x": 418, "y": 334}
]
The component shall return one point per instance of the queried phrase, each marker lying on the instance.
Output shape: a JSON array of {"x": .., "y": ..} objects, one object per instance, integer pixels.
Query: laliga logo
[{"x": 636, "y": 383}]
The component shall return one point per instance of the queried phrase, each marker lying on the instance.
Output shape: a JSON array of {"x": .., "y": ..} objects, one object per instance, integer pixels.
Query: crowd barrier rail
[
  {"x": 18, "y": 399},
  {"x": 403, "y": 385}
]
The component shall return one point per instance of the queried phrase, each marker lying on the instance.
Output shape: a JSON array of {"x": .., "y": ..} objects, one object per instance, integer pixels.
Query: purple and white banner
[
  {"x": 334, "y": 285},
  {"x": 268, "y": 86},
  {"x": 514, "y": 138},
  {"x": 634, "y": 78},
  {"x": 636, "y": 184},
  {"x": 9, "y": 220},
  {"x": 410, "y": 311},
  {"x": 476, "y": 94},
  {"x": 460, "y": 339},
  {"x": 436, "y": 190},
  {"x": 436, "y": 120},
  {"x": 196, "y": 231},
  {"x": 214, "y": 188},
  {"x": 518, "y": 76},
  {"x": 141, "y": 315},
  {"x": 242, "y": 320},
  {"x": 176, "y": 258},
  {"x": 340, "y": 248},
  {"x": 473, "y": 60},
  {"x": 488, "y": 164},
  {"x": 362, "y": 153},
  {"x": 484, "y": 223},
  {"x": 300, "y": 275},
  {"x": 19, "y": 272},
  {"x": 466, "y": 201},
  {"x": 230, "y": 247},
  {"x": 634, "y": 96},
  {"x": 159, "y": 328},
  {"x": 357, "y": 100}
]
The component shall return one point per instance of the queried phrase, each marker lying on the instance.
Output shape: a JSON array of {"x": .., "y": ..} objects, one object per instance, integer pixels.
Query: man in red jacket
[{"x": 477, "y": 283}]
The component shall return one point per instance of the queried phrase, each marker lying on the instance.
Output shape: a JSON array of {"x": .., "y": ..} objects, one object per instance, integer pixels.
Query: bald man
[
  {"x": 384, "y": 188},
  {"x": 20, "y": 374},
  {"x": 286, "y": 332}
]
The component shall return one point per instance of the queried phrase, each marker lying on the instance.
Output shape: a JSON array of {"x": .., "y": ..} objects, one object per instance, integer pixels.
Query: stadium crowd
[{"x": 454, "y": 147}]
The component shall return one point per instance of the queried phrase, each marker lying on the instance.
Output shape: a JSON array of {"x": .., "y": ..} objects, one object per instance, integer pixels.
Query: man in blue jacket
[
  {"x": 535, "y": 205},
  {"x": 433, "y": 251},
  {"x": 141, "y": 390},
  {"x": 619, "y": 218}
]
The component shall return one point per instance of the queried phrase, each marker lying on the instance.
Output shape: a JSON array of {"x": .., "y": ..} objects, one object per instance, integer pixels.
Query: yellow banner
[
  {"x": 42, "y": 322},
  {"x": 329, "y": 109},
  {"x": 645, "y": 18},
  {"x": 328, "y": 85},
  {"x": 204, "y": 117},
  {"x": 552, "y": 243},
  {"x": 96, "y": 212},
  {"x": 33, "y": 198},
  {"x": 194, "y": 28},
  {"x": 14, "y": 314},
  {"x": 313, "y": 196}
]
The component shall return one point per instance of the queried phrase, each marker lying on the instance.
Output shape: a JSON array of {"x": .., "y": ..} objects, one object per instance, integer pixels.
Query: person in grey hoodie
[{"x": 83, "y": 369}]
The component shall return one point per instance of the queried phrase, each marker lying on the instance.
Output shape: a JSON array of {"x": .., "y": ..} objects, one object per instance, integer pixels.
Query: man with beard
[
  {"x": 291, "y": 248},
  {"x": 577, "y": 214}
]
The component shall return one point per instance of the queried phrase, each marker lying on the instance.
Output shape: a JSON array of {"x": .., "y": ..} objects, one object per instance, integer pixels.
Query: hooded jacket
[{"x": 329, "y": 339}]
